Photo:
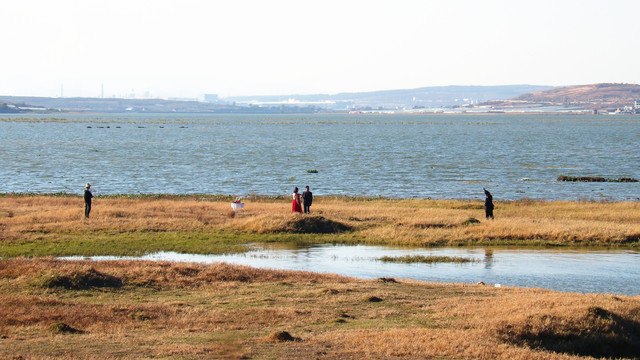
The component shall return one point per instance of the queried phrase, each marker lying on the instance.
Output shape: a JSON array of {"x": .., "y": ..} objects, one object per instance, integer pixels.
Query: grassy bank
[
  {"x": 132, "y": 225},
  {"x": 125, "y": 309},
  {"x": 133, "y": 310}
]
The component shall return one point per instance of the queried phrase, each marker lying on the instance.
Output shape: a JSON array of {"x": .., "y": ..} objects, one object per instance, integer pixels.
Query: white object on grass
[{"x": 237, "y": 206}]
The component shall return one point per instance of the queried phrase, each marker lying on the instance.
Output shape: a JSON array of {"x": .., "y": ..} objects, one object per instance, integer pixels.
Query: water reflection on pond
[{"x": 594, "y": 271}]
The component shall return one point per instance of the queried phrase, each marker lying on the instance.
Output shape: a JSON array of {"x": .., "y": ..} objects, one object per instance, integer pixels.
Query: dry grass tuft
[
  {"x": 470, "y": 221},
  {"x": 6, "y": 213},
  {"x": 314, "y": 225},
  {"x": 82, "y": 279},
  {"x": 281, "y": 336},
  {"x": 592, "y": 332},
  {"x": 296, "y": 224},
  {"x": 62, "y": 328},
  {"x": 330, "y": 291}
]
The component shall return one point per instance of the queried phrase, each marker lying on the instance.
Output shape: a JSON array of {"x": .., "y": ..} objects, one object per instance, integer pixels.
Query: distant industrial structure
[{"x": 212, "y": 98}]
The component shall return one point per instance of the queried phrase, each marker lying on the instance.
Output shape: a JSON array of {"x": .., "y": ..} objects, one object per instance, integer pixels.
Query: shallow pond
[{"x": 593, "y": 271}]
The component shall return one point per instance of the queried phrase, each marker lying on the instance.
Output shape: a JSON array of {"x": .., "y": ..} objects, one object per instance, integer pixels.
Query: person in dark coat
[
  {"x": 87, "y": 200},
  {"x": 307, "y": 199},
  {"x": 488, "y": 204}
]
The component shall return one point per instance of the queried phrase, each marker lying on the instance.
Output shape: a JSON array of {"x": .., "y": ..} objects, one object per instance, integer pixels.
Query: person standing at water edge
[
  {"x": 87, "y": 200},
  {"x": 488, "y": 204},
  {"x": 307, "y": 199},
  {"x": 296, "y": 206}
]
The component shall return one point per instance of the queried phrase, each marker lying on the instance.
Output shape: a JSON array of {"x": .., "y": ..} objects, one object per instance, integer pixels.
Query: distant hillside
[
  {"x": 437, "y": 96},
  {"x": 594, "y": 96},
  {"x": 426, "y": 97}
]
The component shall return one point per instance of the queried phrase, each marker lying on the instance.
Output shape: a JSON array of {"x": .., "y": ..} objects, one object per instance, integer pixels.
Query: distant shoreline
[
  {"x": 336, "y": 113},
  {"x": 604, "y": 97}
]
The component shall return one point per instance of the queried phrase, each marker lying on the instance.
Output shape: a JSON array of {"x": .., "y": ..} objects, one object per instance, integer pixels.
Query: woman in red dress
[{"x": 297, "y": 202}]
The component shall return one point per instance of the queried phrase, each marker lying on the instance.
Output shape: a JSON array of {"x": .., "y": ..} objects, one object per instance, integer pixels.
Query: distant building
[
  {"x": 636, "y": 104},
  {"x": 211, "y": 98}
]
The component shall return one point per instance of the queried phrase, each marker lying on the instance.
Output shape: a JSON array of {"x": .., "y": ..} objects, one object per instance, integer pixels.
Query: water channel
[{"x": 583, "y": 271}]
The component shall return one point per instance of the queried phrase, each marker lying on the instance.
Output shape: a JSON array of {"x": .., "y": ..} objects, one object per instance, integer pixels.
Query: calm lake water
[
  {"x": 406, "y": 156},
  {"x": 606, "y": 271}
]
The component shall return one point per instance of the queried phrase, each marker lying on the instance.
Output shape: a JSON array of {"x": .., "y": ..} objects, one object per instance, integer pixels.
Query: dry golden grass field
[
  {"x": 126, "y": 309},
  {"x": 30, "y": 225},
  {"x": 134, "y": 310}
]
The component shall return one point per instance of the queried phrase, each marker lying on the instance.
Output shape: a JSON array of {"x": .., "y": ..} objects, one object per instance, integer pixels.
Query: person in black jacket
[
  {"x": 87, "y": 200},
  {"x": 307, "y": 199},
  {"x": 488, "y": 204}
]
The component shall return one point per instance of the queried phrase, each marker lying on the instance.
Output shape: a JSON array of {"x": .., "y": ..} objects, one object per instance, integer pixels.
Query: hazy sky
[{"x": 185, "y": 48}]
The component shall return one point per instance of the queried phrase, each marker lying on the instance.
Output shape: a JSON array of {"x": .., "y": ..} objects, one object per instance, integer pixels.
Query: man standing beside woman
[{"x": 307, "y": 199}]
